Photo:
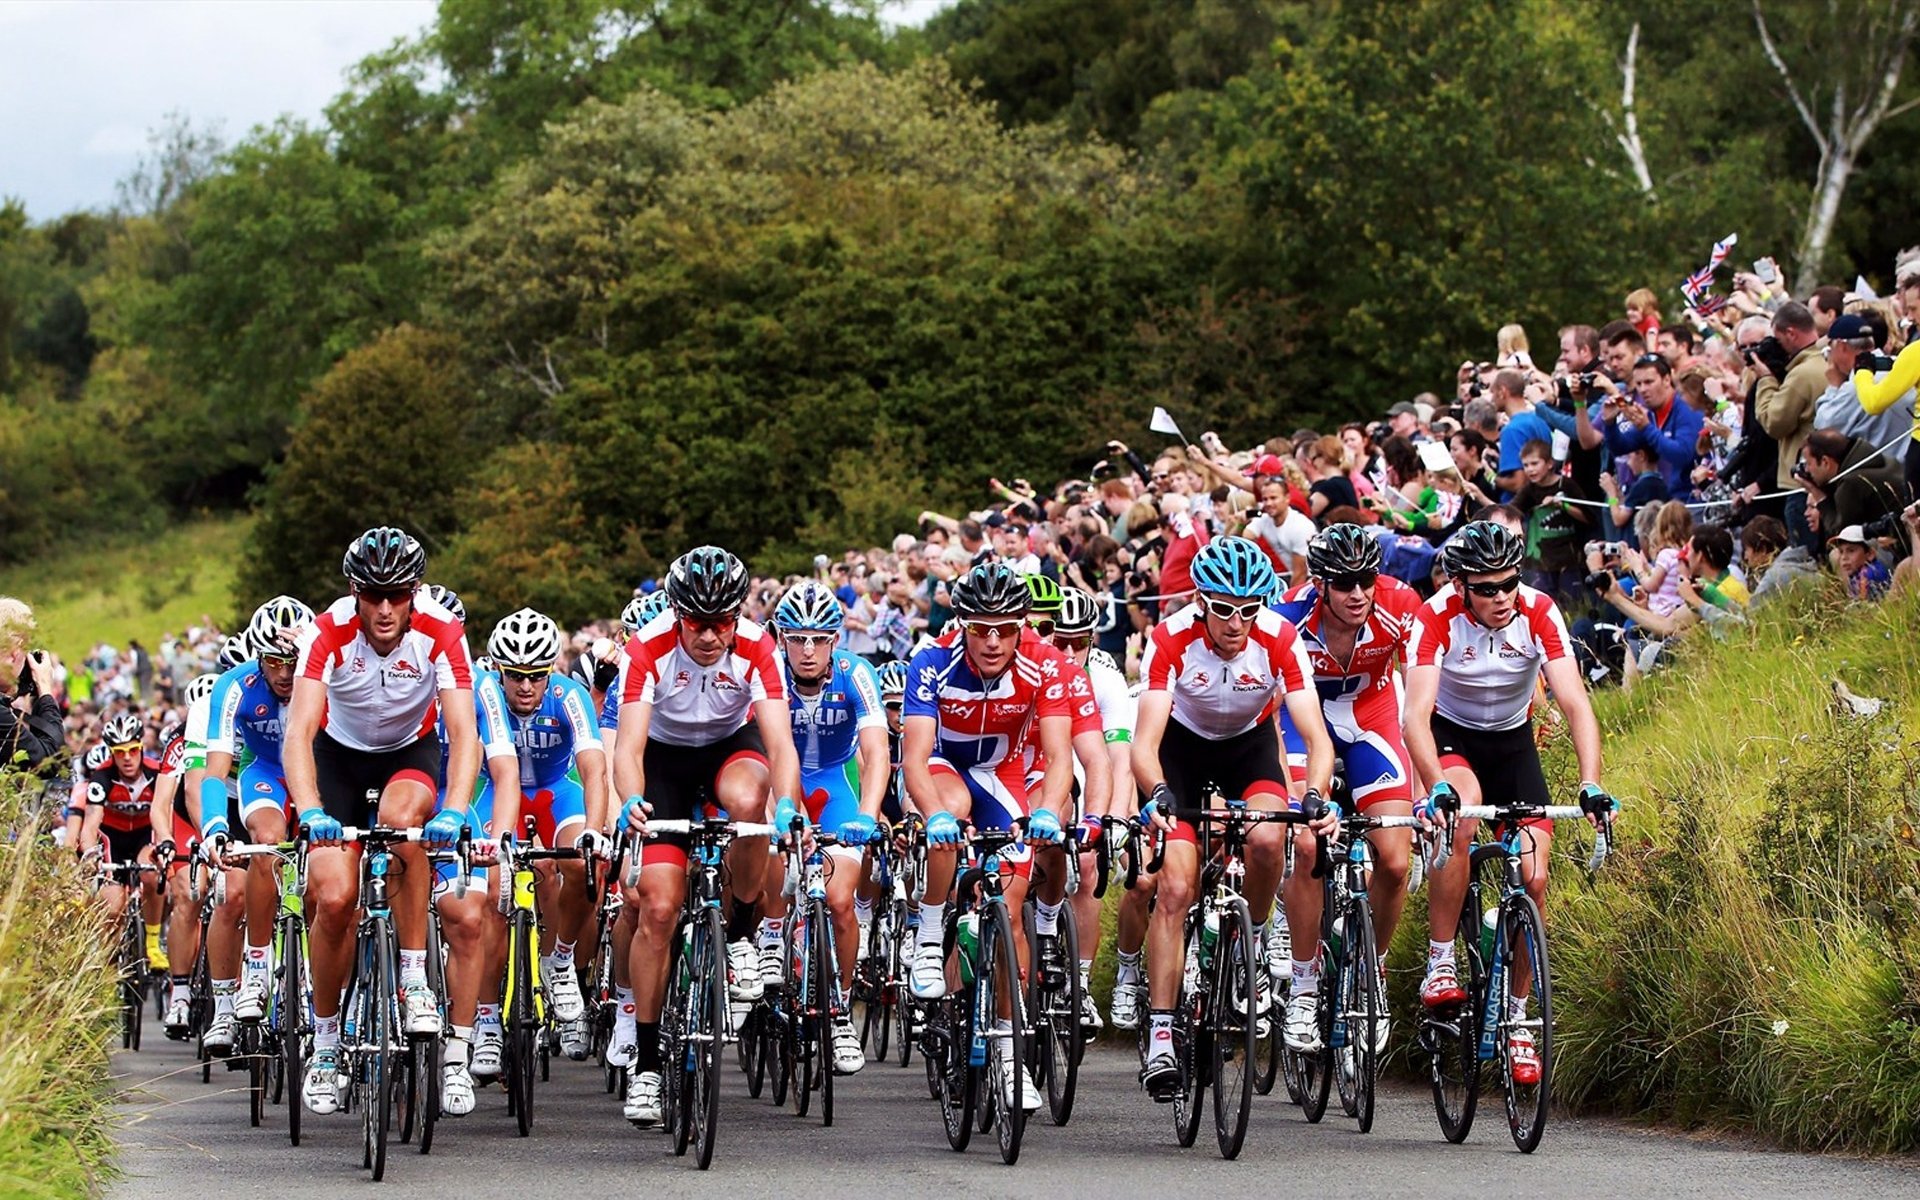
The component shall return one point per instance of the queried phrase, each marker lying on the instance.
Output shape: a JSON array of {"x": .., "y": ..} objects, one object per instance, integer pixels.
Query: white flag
[
  {"x": 1163, "y": 423},
  {"x": 1863, "y": 289}
]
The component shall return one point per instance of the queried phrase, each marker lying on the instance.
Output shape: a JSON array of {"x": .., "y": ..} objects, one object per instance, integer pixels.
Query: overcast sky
[{"x": 82, "y": 81}]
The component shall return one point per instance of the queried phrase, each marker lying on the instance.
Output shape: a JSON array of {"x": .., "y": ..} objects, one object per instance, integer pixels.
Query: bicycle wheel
[
  {"x": 801, "y": 1002},
  {"x": 676, "y": 1113},
  {"x": 899, "y": 995},
  {"x": 1365, "y": 1007},
  {"x": 1525, "y": 941},
  {"x": 1232, "y": 1026},
  {"x": 997, "y": 954},
  {"x": 376, "y": 1057},
  {"x": 1056, "y": 1019},
  {"x": 200, "y": 1005},
  {"x": 247, "y": 1045},
  {"x": 871, "y": 990},
  {"x": 521, "y": 1020},
  {"x": 1267, "y": 1042},
  {"x": 948, "y": 1050},
  {"x": 708, "y": 1007},
  {"x": 291, "y": 1004},
  {"x": 826, "y": 1000},
  {"x": 430, "y": 1054},
  {"x": 753, "y": 1058},
  {"x": 1189, "y": 1027},
  {"x": 1310, "y": 1072}
]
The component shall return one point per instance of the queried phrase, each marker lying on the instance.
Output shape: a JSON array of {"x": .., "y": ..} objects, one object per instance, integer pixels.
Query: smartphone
[{"x": 1767, "y": 271}]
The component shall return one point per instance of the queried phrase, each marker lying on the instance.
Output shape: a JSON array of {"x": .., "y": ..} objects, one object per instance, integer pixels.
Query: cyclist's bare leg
[
  {"x": 266, "y": 826},
  {"x": 1086, "y": 911},
  {"x": 152, "y": 894},
  {"x": 1267, "y": 859},
  {"x": 845, "y": 878},
  {"x": 1016, "y": 895},
  {"x": 563, "y": 894},
  {"x": 463, "y": 922},
  {"x": 1176, "y": 881},
  {"x": 183, "y": 922},
  {"x": 943, "y": 860},
  {"x": 333, "y": 881},
  {"x": 1302, "y": 894},
  {"x": 1447, "y": 887},
  {"x": 626, "y": 927},
  {"x": 1536, "y": 843},
  {"x": 741, "y": 789},
  {"x": 404, "y": 804},
  {"x": 663, "y": 886},
  {"x": 223, "y": 931},
  {"x": 1392, "y": 850}
]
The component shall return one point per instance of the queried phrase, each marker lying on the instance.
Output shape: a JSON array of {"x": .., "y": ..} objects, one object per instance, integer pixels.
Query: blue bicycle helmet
[
  {"x": 1233, "y": 566},
  {"x": 808, "y": 605},
  {"x": 893, "y": 682}
]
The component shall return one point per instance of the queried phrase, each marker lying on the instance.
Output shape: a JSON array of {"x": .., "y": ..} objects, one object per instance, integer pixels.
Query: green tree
[{"x": 380, "y": 442}]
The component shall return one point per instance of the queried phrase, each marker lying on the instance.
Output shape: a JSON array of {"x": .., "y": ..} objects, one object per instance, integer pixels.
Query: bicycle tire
[
  {"x": 1189, "y": 1024},
  {"x": 247, "y": 1044},
  {"x": 292, "y": 1006},
  {"x": 133, "y": 972},
  {"x": 1056, "y": 1017},
  {"x": 1312, "y": 1070},
  {"x": 432, "y": 1052},
  {"x": 950, "y": 1032},
  {"x": 710, "y": 1016},
  {"x": 801, "y": 1001},
  {"x": 200, "y": 1005},
  {"x": 997, "y": 947},
  {"x": 826, "y": 1001},
  {"x": 1267, "y": 1042},
  {"x": 676, "y": 1115},
  {"x": 377, "y": 1060},
  {"x": 1523, "y": 932},
  {"x": 521, "y": 1019},
  {"x": 899, "y": 995},
  {"x": 1233, "y": 1020},
  {"x": 753, "y": 1058},
  {"x": 1368, "y": 1007}
]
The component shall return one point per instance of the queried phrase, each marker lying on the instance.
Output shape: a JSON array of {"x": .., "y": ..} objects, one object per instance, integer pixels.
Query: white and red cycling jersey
[
  {"x": 1369, "y": 674},
  {"x": 1082, "y": 705},
  {"x": 1487, "y": 676},
  {"x": 695, "y": 705},
  {"x": 386, "y": 701},
  {"x": 1219, "y": 697}
]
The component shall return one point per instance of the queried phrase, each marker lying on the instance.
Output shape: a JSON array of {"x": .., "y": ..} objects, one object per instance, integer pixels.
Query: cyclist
[
  {"x": 173, "y": 830},
  {"x": 372, "y": 672},
  {"x": 1073, "y": 631},
  {"x": 95, "y": 757},
  {"x": 1216, "y": 670},
  {"x": 1480, "y": 647},
  {"x": 120, "y": 809},
  {"x": 703, "y": 719},
  {"x": 1093, "y": 791},
  {"x": 1356, "y": 624},
  {"x": 245, "y": 719},
  {"x": 976, "y": 699},
  {"x": 563, "y": 786},
  {"x": 839, "y": 729}
]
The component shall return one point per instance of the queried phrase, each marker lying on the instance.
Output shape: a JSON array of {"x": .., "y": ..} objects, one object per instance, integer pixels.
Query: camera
[
  {"x": 1877, "y": 361},
  {"x": 1883, "y": 526},
  {"x": 1800, "y": 472},
  {"x": 1600, "y": 581}
]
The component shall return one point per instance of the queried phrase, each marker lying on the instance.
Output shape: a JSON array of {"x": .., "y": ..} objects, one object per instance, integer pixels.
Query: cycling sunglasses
[
  {"x": 126, "y": 748},
  {"x": 384, "y": 595},
  {"x": 1352, "y": 583},
  {"x": 984, "y": 630},
  {"x": 810, "y": 640},
  {"x": 715, "y": 624},
  {"x": 279, "y": 660},
  {"x": 1494, "y": 587},
  {"x": 1072, "y": 641},
  {"x": 1224, "y": 610},
  {"x": 525, "y": 674},
  {"x": 1041, "y": 625}
]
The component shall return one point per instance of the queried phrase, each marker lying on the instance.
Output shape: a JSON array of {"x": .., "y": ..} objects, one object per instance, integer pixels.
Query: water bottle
[
  {"x": 969, "y": 943},
  {"x": 1209, "y": 938},
  {"x": 1489, "y": 923}
]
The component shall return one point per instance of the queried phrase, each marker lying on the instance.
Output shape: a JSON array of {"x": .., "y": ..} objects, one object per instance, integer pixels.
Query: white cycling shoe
[
  {"x": 456, "y": 1090},
  {"x": 928, "y": 977},
  {"x": 420, "y": 1009},
  {"x": 747, "y": 982},
  {"x": 1125, "y": 1011},
  {"x": 321, "y": 1089},
  {"x": 563, "y": 990},
  {"x": 575, "y": 1041},
  {"x": 487, "y": 1049},
  {"x": 643, "y": 1099},
  {"x": 848, "y": 1057},
  {"x": 250, "y": 1002},
  {"x": 219, "y": 1038}
]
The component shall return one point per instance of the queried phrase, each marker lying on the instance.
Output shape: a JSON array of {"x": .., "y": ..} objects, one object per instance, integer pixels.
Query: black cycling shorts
[
  {"x": 125, "y": 845},
  {"x": 1505, "y": 761},
  {"x": 681, "y": 779},
  {"x": 346, "y": 775},
  {"x": 1240, "y": 766}
]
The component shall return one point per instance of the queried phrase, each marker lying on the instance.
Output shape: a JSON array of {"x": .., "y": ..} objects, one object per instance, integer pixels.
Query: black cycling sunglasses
[{"x": 1490, "y": 588}]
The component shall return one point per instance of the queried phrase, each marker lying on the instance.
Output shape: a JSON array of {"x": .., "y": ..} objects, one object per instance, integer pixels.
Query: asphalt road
[{"x": 185, "y": 1138}]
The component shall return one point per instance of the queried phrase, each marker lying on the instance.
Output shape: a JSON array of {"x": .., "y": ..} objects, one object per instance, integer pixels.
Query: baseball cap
[
  {"x": 1854, "y": 534},
  {"x": 1403, "y": 407},
  {"x": 1847, "y": 327},
  {"x": 1269, "y": 465}
]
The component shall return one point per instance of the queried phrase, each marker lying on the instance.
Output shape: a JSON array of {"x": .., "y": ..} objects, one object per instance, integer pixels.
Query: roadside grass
[{"x": 131, "y": 588}]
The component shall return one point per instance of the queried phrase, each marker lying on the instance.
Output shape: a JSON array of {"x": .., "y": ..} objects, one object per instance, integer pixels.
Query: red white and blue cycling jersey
[
  {"x": 695, "y": 705},
  {"x": 1488, "y": 676},
  {"x": 984, "y": 727},
  {"x": 1222, "y": 698},
  {"x": 1361, "y": 697},
  {"x": 377, "y": 701}
]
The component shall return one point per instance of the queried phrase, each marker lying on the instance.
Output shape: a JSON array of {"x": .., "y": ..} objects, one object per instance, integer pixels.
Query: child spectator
[{"x": 1860, "y": 567}]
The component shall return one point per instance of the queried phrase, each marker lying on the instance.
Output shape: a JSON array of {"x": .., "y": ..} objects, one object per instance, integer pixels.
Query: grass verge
[
  {"x": 56, "y": 1010},
  {"x": 128, "y": 589}
]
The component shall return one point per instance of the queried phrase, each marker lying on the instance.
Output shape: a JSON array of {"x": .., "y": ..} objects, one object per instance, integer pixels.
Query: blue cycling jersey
[
  {"x": 244, "y": 711},
  {"x": 490, "y": 720},
  {"x": 548, "y": 738},
  {"x": 827, "y": 725}
]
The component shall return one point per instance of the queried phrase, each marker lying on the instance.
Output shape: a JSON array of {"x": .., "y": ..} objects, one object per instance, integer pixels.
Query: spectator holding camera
[
  {"x": 30, "y": 722},
  {"x": 1849, "y": 482},
  {"x": 1792, "y": 377},
  {"x": 1853, "y": 346},
  {"x": 1651, "y": 416}
]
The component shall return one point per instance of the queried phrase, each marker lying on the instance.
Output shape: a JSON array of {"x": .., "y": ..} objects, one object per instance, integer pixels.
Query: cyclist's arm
[
  {"x": 1097, "y": 794},
  {"x": 90, "y": 824},
  {"x": 160, "y": 809},
  {"x": 1423, "y": 688},
  {"x": 1570, "y": 693},
  {"x": 593, "y": 786},
  {"x": 1303, "y": 709},
  {"x": 296, "y": 747},
  {"x": 870, "y": 751},
  {"x": 1056, "y": 742},
  {"x": 775, "y": 719},
  {"x": 463, "y": 746},
  {"x": 504, "y": 770},
  {"x": 1120, "y": 793},
  {"x": 1149, "y": 725},
  {"x": 916, "y": 749},
  {"x": 629, "y": 772}
]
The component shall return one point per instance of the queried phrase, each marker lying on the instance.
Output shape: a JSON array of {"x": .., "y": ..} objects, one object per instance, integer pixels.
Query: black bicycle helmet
[
  {"x": 1079, "y": 613},
  {"x": 707, "y": 583},
  {"x": 990, "y": 590},
  {"x": 1483, "y": 548},
  {"x": 384, "y": 557},
  {"x": 1340, "y": 550}
]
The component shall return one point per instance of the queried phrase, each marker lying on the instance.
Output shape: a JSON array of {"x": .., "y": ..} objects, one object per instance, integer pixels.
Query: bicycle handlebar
[{"x": 1603, "y": 837}]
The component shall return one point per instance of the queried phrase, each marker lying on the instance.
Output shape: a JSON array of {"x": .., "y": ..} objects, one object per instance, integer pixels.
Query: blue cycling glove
[
  {"x": 320, "y": 827},
  {"x": 1043, "y": 826},
  {"x": 634, "y": 815},
  {"x": 943, "y": 829},
  {"x": 443, "y": 830},
  {"x": 858, "y": 829},
  {"x": 785, "y": 813}
]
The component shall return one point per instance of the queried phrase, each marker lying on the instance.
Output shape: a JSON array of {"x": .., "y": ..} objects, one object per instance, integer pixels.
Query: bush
[{"x": 56, "y": 1006}]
